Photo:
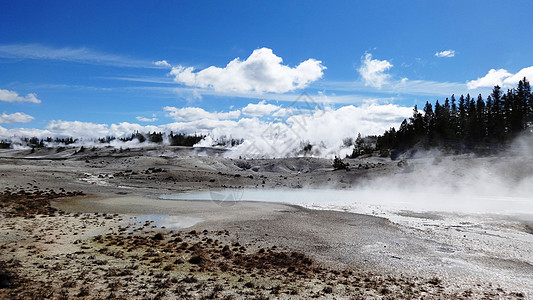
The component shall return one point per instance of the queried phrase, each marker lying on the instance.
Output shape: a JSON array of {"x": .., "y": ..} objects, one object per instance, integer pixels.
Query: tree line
[
  {"x": 464, "y": 125},
  {"x": 179, "y": 139}
]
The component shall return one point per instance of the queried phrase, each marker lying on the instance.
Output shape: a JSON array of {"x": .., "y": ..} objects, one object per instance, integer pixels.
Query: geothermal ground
[{"x": 106, "y": 223}]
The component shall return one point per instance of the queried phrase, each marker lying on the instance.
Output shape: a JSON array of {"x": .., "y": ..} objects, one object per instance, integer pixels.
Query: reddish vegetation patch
[
  {"x": 27, "y": 204},
  {"x": 209, "y": 254}
]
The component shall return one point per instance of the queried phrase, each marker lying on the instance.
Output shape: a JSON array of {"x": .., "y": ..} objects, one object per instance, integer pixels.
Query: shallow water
[
  {"x": 165, "y": 221},
  {"x": 371, "y": 201},
  {"x": 492, "y": 221}
]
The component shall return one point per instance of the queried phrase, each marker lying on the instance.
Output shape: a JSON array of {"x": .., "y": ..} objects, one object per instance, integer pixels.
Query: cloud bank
[
  {"x": 11, "y": 96},
  {"x": 268, "y": 130},
  {"x": 261, "y": 72}
]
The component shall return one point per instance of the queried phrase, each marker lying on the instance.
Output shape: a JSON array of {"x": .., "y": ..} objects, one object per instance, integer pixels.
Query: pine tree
[
  {"x": 528, "y": 98},
  {"x": 481, "y": 118},
  {"x": 498, "y": 117},
  {"x": 461, "y": 124},
  {"x": 470, "y": 126}
]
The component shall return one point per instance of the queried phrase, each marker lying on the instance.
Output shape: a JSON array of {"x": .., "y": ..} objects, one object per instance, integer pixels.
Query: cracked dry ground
[{"x": 47, "y": 254}]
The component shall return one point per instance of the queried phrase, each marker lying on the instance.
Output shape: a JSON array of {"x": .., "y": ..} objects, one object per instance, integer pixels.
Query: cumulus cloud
[
  {"x": 500, "y": 77},
  {"x": 445, "y": 53},
  {"x": 197, "y": 113},
  {"x": 259, "y": 109},
  {"x": 145, "y": 119},
  {"x": 513, "y": 80},
  {"x": 262, "y": 71},
  {"x": 17, "y": 117},
  {"x": 493, "y": 77},
  {"x": 373, "y": 71},
  {"x": 162, "y": 63},
  {"x": 12, "y": 96}
]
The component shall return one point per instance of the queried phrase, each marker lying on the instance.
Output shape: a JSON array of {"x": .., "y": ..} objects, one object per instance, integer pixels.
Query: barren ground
[{"x": 91, "y": 225}]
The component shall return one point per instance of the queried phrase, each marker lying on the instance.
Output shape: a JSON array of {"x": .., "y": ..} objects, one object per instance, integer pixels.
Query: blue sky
[{"x": 93, "y": 62}]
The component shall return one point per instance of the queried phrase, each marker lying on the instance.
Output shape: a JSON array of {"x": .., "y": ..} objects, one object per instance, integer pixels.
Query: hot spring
[
  {"x": 372, "y": 201},
  {"x": 411, "y": 208}
]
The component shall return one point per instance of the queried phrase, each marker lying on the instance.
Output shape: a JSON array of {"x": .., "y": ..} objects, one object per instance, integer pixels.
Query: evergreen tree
[
  {"x": 429, "y": 125},
  {"x": 498, "y": 119},
  {"x": 528, "y": 99},
  {"x": 461, "y": 124},
  {"x": 481, "y": 119}
]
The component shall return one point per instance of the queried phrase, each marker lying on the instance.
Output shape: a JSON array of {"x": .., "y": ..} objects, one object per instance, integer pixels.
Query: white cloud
[
  {"x": 445, "y": 53},
  {"x": 262, "y": 71},
  {"x": 203, "y": 126},
  {"x": 259, "y": 109},
  {"x": 17, "y": 117},
  {"x": 11, "y": 96},
  {"x": 373, "y": 71},
  {"x": 162, "y": 63},
  {"x": 493, "y": 78},
  {"x": 88, "y": 130},
  {"x": 513, "y": 80},
  {"x": 77, "y": 129},
  {"x": 23, "y": 132},
  {"x": 80, "y": 55},
  {"x": 125, "y": 128},
  {"x": 145, "y": 119},
  {"x": 283, "y": 112},
  {"x": 197, "y": 113}
]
